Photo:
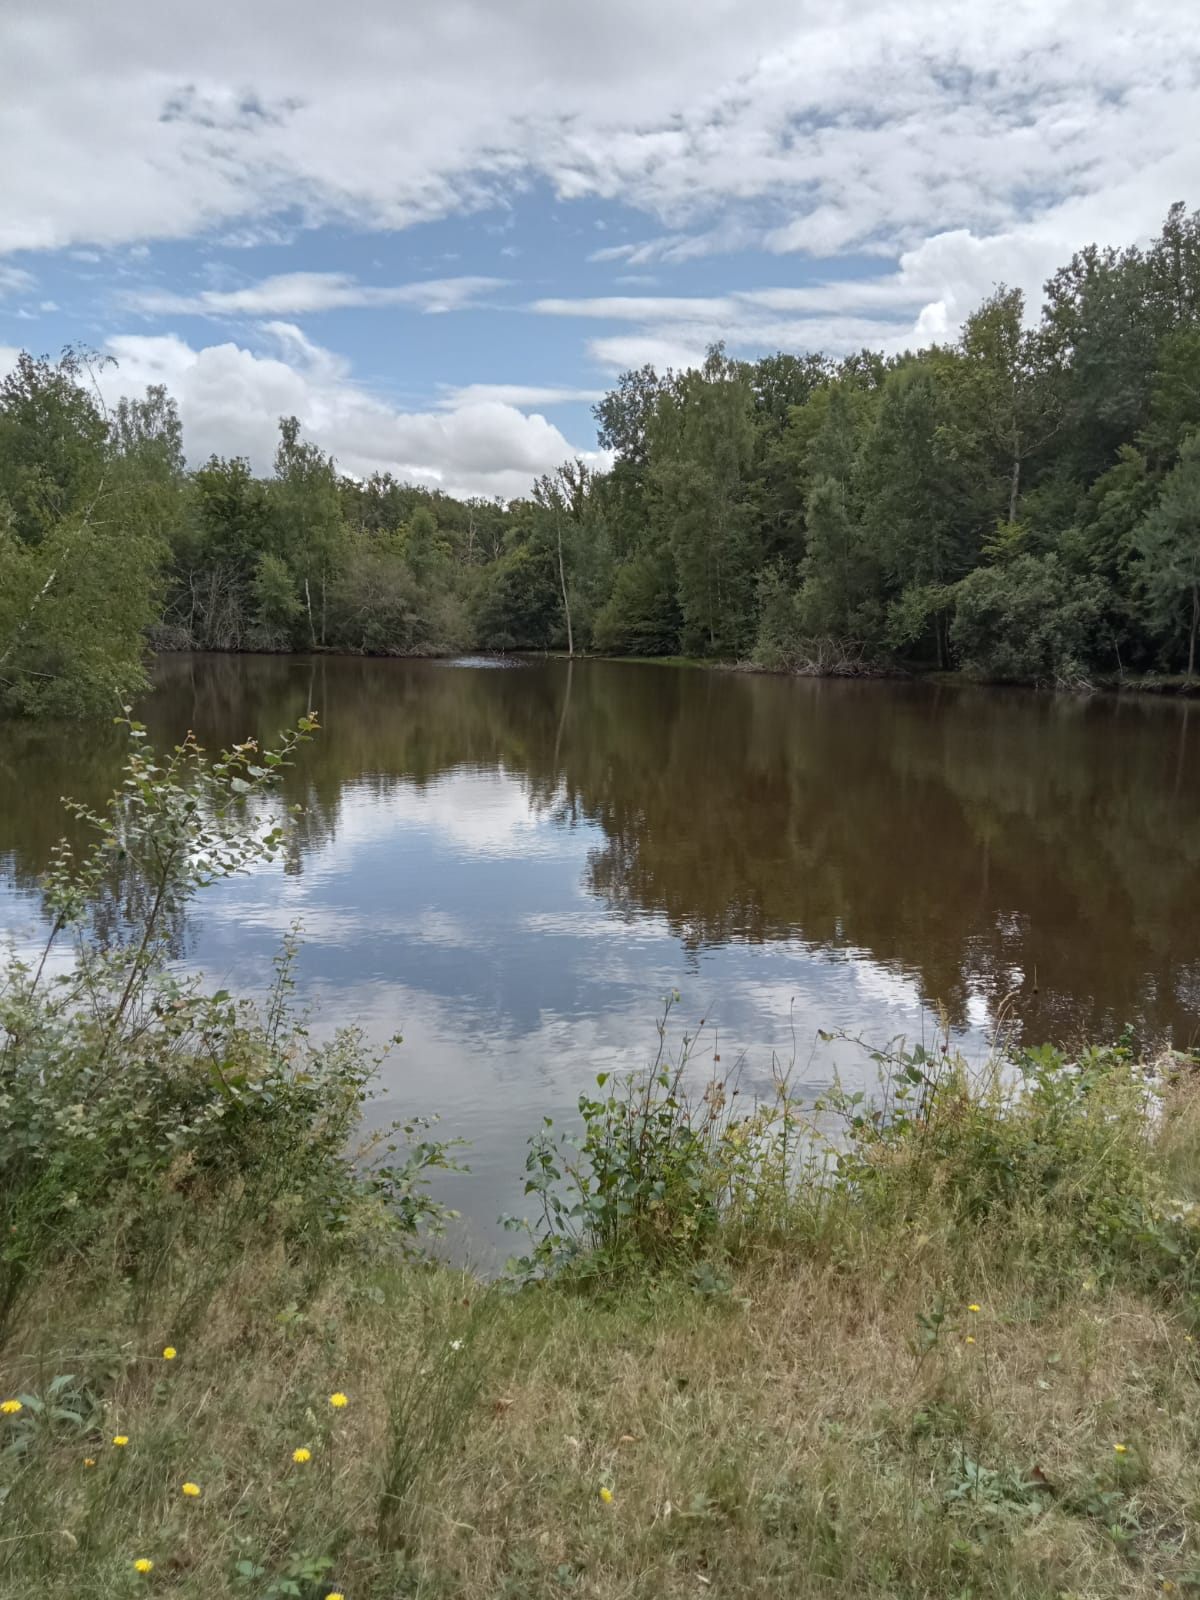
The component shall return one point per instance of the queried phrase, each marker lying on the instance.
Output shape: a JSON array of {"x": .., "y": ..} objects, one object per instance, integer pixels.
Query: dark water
[{"x": 510, "y": 865}]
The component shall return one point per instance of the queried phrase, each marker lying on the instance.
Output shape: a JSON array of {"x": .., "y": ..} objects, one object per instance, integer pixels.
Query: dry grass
[{"x": 788, "y": 1437}]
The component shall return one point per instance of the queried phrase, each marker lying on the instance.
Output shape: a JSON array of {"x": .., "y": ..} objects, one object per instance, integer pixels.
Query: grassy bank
[
  {"x": 824, "y": 1413},
  {"x": 933, "y": 1343}
]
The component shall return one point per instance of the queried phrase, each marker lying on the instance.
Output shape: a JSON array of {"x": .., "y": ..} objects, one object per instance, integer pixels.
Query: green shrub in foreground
[{"x": 131, "y": 1098}]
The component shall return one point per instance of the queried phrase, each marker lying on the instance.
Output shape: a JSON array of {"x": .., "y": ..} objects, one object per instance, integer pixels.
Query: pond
[{"x": 511, "y": 864}]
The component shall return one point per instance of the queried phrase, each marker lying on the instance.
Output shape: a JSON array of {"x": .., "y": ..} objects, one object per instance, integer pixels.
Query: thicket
[{"x": 1021, "y": 503}]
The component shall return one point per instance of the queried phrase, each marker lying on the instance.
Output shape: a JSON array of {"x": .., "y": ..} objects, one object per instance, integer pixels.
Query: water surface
[{"x": 510, "y": 865}]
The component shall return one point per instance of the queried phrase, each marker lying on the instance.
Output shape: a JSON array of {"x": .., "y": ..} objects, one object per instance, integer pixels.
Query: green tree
[
  {"x": 702, "y": 449},
  {"x": 1169, "y": 544},
  {"x": 54, "y": 438},
  {"x": 307, "y": 509},
  {"x": 81, "y": 522}
]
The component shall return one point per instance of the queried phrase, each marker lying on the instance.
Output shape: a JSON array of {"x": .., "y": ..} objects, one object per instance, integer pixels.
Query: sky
[{"x": 436, "y": 234}]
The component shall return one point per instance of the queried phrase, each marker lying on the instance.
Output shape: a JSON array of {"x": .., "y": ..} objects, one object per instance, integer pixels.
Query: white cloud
[
  {"x": 638, "y": 308},
  {"x": 854, "y": 126},
  {"x": 521, "y": 395},
  {"x": 291, "y": 294},
  {"x": 953, "y": 143},
  {"x": 230, "y": 399},
  {"x": 15, "y": 280}
]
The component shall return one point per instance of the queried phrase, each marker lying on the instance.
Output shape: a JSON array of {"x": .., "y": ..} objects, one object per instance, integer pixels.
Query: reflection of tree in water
[{"x": 970, "y": 840}]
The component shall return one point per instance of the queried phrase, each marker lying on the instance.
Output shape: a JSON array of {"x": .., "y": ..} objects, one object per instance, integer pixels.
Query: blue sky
[{"x": 435, "y": 234}]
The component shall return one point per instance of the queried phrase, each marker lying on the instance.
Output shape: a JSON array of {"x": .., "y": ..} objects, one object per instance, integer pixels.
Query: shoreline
[{"x": 1162, "y": 685}]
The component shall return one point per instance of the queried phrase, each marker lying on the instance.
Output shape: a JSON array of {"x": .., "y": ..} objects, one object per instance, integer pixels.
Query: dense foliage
[{"x": 1023, "y": 503}]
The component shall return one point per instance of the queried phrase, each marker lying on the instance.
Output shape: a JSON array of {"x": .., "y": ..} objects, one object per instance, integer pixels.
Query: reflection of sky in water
[{"x": 456, "y": 915}]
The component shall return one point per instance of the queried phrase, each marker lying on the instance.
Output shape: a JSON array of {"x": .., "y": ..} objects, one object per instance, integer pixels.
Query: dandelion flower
[
  {"x": 170, "y": 1353},
  {"x": 1120, "y": 1449},
  {"x": 89, "y": 1461},
  {"x": 338, "y": 1400},
  {"x": 335, "y": 1594},
  {"x": 11, "y": 1407},
  {"x": 190, "y": 1489},
  {"x": 120, "y": 1440},
  {"x": 143, "y": 1564},
  {"x": 302, "y": 1455},
  {"x": 606, "y": 1496},
  {"x": 973, "y": 1308},
  {"x": 970, "y": 1339}
]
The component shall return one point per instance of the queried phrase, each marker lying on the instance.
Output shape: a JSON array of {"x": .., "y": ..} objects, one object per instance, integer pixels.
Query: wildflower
[
  {"x": 973, "y": 1309},
  {"x": 606, "y": 1496},
  {"x": 120, "y": 1440},
  {"x": 143, "y": 1564},
  {"x": 456, "y": 1344},
  {"x": 89, "y": 1461},
  {"x": 335, "y": 1594},
  {"x": 970, "y": 1339},
  {"x": 1120, "y": 1449},
  {"x": 190, "y": 1489},
  {"x": 338, "y": 1400},
  {"x": 11, "y": 1407},
  {"x": 170, "y": 1353},
  {"x": 302, "y": 1455}
]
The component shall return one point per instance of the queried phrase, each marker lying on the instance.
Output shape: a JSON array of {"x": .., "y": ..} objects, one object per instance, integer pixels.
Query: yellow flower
[
  {"x": 143, "y": 1564},
  {"x": 335, "y": 1594},
  {"x": 191, "y": 1490},
  {"x": 302, "y": 1455},
  {"x": 606, "y": 1496},
  {"x": 973, "y": 1308},
  {"x": 89, "y": 1461},
  {"x": 120, "y": 1440},
  {"x": 170, "y": 1353},
  {"x": 970, "y": 1339},
  {"x": 338, "y": 1400},
  {"x": 1120, "y": 1449},
  {"x": 11, "y": 1407}
]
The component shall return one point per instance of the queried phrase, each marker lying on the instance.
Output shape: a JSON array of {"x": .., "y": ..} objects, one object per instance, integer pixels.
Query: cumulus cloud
[
  {"x": 231, "y": 397},
  {"x": 291, "y": 294}
]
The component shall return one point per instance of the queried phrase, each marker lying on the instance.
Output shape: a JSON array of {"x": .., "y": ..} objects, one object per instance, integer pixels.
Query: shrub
[
  {"x": 124, "y": 1088},
  {"x": 656, "y": 1173},
  {"x": 1029, "y": 621}
]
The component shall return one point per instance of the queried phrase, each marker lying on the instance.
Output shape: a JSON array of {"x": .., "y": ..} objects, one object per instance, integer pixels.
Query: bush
[
  {"x": 128, "y": 1093},
  {"x": 657, "y": 1172},
  {"x": 1029, "y": 621}
]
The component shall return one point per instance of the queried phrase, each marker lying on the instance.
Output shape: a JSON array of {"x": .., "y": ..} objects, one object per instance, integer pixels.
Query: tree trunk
[
  {"x": 1191, "y": 672},
  {"x": 1014, "y": 487},
  {"x": 312, "y": 633},
  {"x": 562, "y": 578}
]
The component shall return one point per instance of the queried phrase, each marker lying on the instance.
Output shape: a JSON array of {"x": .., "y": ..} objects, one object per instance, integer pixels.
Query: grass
[{"x": 810, "y": 1419}]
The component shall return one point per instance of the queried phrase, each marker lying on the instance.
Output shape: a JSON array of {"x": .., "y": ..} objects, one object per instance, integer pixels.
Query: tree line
[{"x": 1022, "y": 504}]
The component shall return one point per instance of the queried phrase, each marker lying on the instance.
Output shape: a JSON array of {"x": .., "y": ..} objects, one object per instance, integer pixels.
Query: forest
[{"x": 1022, "y": 505}]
